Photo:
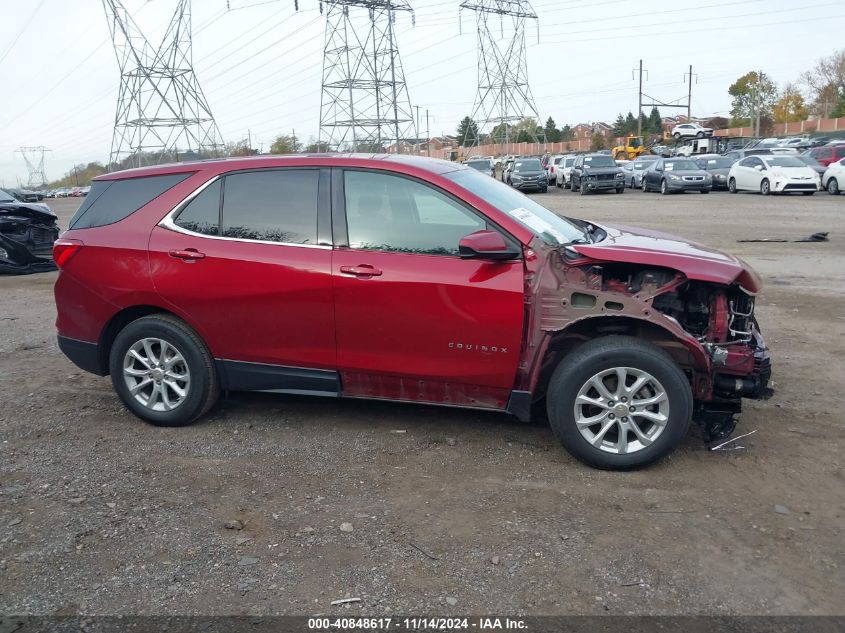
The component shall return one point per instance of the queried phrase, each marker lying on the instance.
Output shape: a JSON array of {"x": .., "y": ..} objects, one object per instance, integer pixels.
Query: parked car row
[{"x": 68, "y": 192}]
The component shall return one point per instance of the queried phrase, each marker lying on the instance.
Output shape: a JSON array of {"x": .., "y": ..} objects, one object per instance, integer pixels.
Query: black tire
[
  {"x": 808, "y": 193},
  {"x": 765, "y": 187},
  {"x": 664, "y": 188},
  {"x": 204, "y": 387},
  {"x": 583, "y": 188},
  {"x": 700, "y": 135},
  {"x": 677, "y": 135},
  {"x": 558, "y": 184},
  {"x": 620, "y": 190},
  {"x": 833, "y": 186},
  {"x": 705, "y": 191},
  {"x": 732, "y": 185},
  {"x": 544, "y": 189},
  {"x": 608, "y": 352},
  {"x": 644, "y": 186}
]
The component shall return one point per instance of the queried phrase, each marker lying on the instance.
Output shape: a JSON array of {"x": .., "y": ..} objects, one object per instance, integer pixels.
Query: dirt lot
[{"x": 452, "y": 511}]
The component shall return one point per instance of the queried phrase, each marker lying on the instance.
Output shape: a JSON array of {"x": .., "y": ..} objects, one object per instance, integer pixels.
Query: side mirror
[
  {"x": 658, "y": 169},
  {"x": 758, "y": 167},
  {"x": 485, "y": 245}
]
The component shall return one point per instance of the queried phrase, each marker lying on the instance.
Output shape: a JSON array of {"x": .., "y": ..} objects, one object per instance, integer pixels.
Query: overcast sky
[{"x": 260, "y": 63}]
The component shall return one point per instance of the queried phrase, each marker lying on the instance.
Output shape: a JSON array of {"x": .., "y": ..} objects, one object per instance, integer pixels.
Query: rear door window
[
  {"x": 110, "y": 201},
  {"x": 202, "y": 214},
  {"x": 271, "y": 205}
]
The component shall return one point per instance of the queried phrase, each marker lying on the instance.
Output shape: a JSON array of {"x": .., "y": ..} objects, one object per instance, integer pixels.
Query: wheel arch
[
  {"x": 119, "y": 321},
  {"x": 688, "y": 354}
]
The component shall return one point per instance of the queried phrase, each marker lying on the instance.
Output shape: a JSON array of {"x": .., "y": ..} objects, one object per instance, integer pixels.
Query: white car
[
  {"x": 552, "y": 166},
  {"x": 691, "y": 129},
  {"x": 834, "y": 178},
  {"x": 773, "y": 174},
  {"x": 562, "y": 172}
]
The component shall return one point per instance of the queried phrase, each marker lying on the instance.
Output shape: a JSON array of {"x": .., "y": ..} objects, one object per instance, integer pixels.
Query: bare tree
[{"x": 825, "y": 83}]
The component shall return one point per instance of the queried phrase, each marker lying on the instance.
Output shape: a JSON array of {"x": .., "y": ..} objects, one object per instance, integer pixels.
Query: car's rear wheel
[
  {"x": 833, "y": 186},
  {"x": 618, "y": 402},
  {"x": 162, "y": 371},
  {"x": 732, "y": 185},
  {"x": 765, "y": 187}
]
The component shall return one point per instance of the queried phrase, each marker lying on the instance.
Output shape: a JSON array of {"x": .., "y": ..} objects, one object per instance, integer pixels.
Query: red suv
[
  {"x": 828, "y": 154},
  {"x": 404, "y": 279}
]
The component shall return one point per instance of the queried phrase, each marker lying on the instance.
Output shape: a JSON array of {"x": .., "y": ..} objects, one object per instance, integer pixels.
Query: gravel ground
[{"x": 277, "y": 504}]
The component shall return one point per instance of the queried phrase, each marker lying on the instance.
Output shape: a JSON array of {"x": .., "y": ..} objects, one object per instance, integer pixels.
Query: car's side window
[
  {"x": 396, "y": 214},
  {"x": 271, "y": 205},
  {"x": 202, "y": 214},
  {"x": 746, "y": 162}
]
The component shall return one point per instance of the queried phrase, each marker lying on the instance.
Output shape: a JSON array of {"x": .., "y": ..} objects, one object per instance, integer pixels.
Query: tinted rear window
[
  {"x": 276, "y": 206},
  {"x": 112, "y": 200}
]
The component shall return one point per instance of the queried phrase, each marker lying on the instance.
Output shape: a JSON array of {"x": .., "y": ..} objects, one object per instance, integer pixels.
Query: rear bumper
[{"x": 83, "y": 354}]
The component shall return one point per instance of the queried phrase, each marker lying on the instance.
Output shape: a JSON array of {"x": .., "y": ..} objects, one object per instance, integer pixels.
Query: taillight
[{"x": 64, "y": 249}]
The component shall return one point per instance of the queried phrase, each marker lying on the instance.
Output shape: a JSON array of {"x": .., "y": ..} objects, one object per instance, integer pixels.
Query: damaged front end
[
  {"x": 27, "y": 234},
  {"x": 694, "y": 303}
]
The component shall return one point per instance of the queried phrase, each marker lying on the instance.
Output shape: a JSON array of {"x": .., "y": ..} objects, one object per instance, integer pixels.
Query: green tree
[
  {"x": 619, "y": 128},
  {"x": 467, "y": 132},
  {"x": 502, "y": 133},
  {"x": 552, "y": 133},
  {"x": 284, "y": 144},
  {"x": 839, "y": 109},
  {"x": 597, "y": 142},
  {"x": 566, "y": 133},
  {"x": 630, "y": 124},
  {"x": 655, "y": 122},
  {"x": 752, "y": 93},
  {"x": 79, "y": 176},
  {"x": 790, "y": 107}
]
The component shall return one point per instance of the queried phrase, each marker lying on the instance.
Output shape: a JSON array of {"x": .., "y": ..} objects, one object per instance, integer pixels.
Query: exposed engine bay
[{"x": 721, "y": 319}]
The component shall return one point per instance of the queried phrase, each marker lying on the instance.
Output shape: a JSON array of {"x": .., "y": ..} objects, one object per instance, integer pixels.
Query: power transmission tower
[
  {"x": 364, "y": 104},
  {"x": 504, "y": 96},
  {"x": 162, "y": 113},
  {"x": 34, "y": 159}
]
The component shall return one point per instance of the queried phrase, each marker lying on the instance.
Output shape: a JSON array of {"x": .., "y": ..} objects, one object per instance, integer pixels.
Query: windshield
[
  {"x": 551, "y": 228},
  {"x": 716, "y": 163},
  {"x": 643, "y": 164},
  {"x": 680, "y": 165},
  {"x": 527, "y": 165},
  {"x": 785, "y": 161},
  {"x": 809, "y": 160},
  {"x": 568, "y": 162},
  {"x": 599, "y": 161},
  {"x": 6, "y": 196},
  {"x": 480, "y": 165}
]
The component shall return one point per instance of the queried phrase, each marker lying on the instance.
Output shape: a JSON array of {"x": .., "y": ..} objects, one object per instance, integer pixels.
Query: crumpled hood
[
  {"x": 696, "y": 261},
  {"x": 34, "y": 210}
]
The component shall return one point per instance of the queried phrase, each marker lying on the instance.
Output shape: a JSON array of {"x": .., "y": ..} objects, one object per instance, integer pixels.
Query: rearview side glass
[{"x": 110, "y": 201}]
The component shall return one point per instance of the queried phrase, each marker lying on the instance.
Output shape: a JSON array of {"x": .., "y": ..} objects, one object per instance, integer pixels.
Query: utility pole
[
  {"x": 418, "y": 129},
  {"x": 640, "y": 104},
  {"x": 759, "y": 101},
  {"x": 294, "y": 140},
  {"x": 689, "y": 96},
  {"x": 428, "y": 135},
  {"x": 249, "y": 140}
]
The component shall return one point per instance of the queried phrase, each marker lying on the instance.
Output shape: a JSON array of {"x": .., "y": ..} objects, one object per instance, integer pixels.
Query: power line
[{"x": 22, "y": 31}]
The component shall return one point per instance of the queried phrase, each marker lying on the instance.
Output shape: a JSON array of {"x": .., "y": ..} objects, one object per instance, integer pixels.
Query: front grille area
[
  {"x": 803, "y": 186},
  {"x": 693, "y": 178},
  {"x": 43, "y": 235}
]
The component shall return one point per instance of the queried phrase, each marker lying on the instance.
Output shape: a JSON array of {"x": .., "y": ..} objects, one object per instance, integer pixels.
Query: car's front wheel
[
  {"x": 618, "y": 403},
  {"x": 732, "y": 185},
  {"x": 644, "y": 186},
  {"x": 664, "y": 188},
  {"x": 765, "y": 187},
  {"x": 833, "y": 186},
  {"x": 162, "y": 371}
]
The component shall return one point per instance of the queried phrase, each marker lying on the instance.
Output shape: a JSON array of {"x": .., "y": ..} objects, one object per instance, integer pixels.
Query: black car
[
  {"x": 669, "y": 175},
  {"x": 718, "y": 168},
  {"x": 27, "y": 233},
  {"x": 528, "y": 173},
  {"x": 484, "y": 165},
  {"x": 25, "y": 195},
  {"x": 596, "y": 172}
]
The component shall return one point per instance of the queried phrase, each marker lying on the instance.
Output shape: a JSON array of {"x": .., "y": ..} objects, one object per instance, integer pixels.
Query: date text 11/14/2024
[{"x": 416, "y": 624}]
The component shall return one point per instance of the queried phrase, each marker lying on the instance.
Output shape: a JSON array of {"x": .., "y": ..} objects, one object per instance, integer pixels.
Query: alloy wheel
[
  {"x": 156, "y": 374},
  {"x": 621, "y": 410}
]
